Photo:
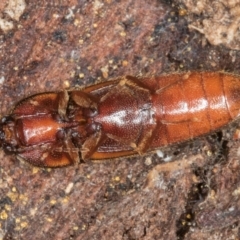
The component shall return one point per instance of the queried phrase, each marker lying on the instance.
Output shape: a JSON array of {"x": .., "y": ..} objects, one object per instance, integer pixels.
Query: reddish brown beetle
[{"x": 119, "y": 118}]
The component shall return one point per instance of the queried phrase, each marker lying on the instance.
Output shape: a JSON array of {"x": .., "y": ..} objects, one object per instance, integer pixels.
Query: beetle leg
[
  {"x": 91, "y": 144},
  {"x": 136, "y": 82},
  {"x": 72, "y": 151},
  {"x": 83, "y": 99},
  {"x": 133, "y": 86},
  {"x": 145, "y": 139},
  {"x": 63, "y": 103}
]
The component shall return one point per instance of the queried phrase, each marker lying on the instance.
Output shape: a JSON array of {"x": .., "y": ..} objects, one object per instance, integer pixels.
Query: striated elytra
[{"x": 119, "y": 118}]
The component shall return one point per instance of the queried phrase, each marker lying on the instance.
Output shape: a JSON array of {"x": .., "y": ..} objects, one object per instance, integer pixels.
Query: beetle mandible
[{"x": 119, "y": 118}]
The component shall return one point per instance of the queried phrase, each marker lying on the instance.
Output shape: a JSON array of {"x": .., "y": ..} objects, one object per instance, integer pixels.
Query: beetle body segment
[{"x": 119, "y": 118}]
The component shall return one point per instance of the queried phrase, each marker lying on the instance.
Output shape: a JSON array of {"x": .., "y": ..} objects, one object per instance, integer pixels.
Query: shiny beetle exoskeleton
[{"x": 119, "y": 118}]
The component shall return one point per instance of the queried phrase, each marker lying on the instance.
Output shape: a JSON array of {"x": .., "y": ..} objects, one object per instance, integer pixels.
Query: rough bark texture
[{"x": 53, "y": 45}]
